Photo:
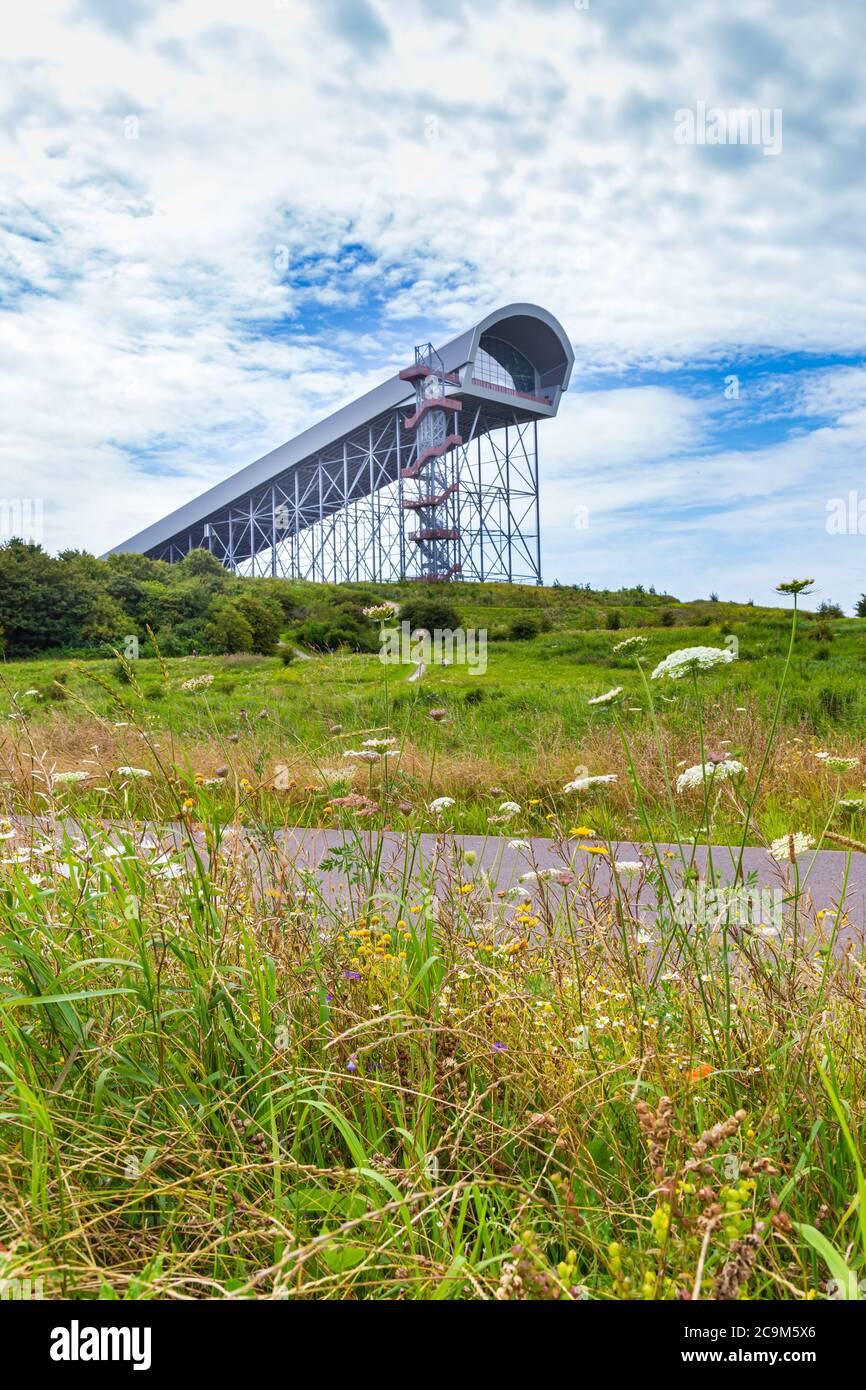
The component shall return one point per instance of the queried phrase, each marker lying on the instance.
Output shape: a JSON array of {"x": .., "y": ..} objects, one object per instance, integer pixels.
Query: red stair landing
[
  {"x": 420, "y": 504},
  {"x": 438, "y": 578},
  {"x": 420, "y": 370},
  {"x": 433, "y": 533},
  {"x": 434, "y": 451},
  {"x": 435, "y": 403}
]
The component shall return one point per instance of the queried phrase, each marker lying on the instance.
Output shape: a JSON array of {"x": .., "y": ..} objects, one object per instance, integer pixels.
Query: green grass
[
  {"x": 524, "y": 726},
  {"x": 216, "y": 1081}
]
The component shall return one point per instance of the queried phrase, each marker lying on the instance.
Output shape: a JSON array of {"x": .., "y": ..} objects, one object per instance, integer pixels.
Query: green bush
[
  {"x": 523, "y": 628},
  {"x": 430, "y": 612},
  {"x": 227, "y": 630}
]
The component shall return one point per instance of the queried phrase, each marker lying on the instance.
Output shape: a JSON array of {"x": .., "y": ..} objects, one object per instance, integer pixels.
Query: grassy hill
[{"x": 518, "y": 732}]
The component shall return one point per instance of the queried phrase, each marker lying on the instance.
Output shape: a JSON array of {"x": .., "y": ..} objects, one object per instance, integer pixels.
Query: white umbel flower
[
  {"x": 688, "y": 659},
  {"x": 839, "y": 764},
  {"x": 441, "y": 804},
  {"x": 510, "y": 808},
  {"x": 58, "y": 779},
  {"x": 790, "y": 846},
  {"x": 133, "y": 771},
  {"x": 628, "y": 866},
  {"x": 693, "y": 777},
  {"x": 331, "y": 775},
  {"x": 582, "y": 783}
]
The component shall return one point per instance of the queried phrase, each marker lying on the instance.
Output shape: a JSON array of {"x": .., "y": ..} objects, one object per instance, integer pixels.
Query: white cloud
[{"x": 158, "y": 155}]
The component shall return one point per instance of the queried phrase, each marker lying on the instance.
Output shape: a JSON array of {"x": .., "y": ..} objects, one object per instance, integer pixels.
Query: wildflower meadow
[{"x": 602, "y": 1077}]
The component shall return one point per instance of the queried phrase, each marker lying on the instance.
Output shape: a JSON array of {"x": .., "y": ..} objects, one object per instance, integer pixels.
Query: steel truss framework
[
  {"x": 349, "y": 514},
  {"x": 431, "y": 475}
]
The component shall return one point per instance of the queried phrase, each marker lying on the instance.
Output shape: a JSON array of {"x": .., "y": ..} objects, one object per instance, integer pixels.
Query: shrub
[
  {"x": 265, "y": 619},
  {"x": 55, "y": 688},
  {"x": 666, "y": 617},
  {"x": 613, "y": 621},
  {"x": 228, "y": 630},
  {"x": 430, "y": 612},
  {"x": 523, "y": 628},
  {"x": 287, "y": 655}
]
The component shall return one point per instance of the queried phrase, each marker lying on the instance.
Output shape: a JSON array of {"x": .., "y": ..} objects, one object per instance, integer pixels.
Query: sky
[{"x": 219, "y": 221}]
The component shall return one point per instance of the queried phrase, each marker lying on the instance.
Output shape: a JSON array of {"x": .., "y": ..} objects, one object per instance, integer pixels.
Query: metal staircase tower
[{"x": 432, "y": 475}]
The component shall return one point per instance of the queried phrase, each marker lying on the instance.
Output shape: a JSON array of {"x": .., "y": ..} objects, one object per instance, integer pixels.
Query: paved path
[
  {"x": 337, "y": 862},
  {"x": 820, "y": 875}
]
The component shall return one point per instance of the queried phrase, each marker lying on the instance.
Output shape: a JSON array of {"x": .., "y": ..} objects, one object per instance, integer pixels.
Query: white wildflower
[
  {"x": 378, "y": 742},
  {"x": 519, "y": 844},
  {"x": 510, "y": 808},
  {"x": 581, "y": 784},
  {"x": 197, "y": 683},
  {"x": 790, "y": 846},
  {"x": 693, "y": 777},
  {"x": 60, "y": 778},
  {"x": 441, "y": 804},
  {"x": 631, "y": 644},
  {"x": 838, "y": 764},
  {"x": 387, "y": 609},
  {"x": 133, "y": 771},
  {"x": 628, "y": 866},
  {"x": 331, "y": 775},
  {"x": 538, "y": 875},
  {"x": 688, "y": 659}
]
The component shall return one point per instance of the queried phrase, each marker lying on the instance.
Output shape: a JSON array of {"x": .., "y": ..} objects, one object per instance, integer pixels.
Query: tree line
[{"x": 74, "y": 603}]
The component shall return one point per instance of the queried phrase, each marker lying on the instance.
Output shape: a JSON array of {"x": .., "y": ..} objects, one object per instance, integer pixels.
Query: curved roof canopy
[{"x": 535, "y": 334}]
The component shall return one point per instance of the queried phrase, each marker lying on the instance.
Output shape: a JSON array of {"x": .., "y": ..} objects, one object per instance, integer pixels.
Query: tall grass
[{"x": 218, "y": 1079}]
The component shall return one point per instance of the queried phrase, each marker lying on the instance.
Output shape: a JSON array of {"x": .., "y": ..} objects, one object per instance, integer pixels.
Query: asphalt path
[
  {"x": 824, "y": 881},
  {"x": 355, "y": 865}
]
